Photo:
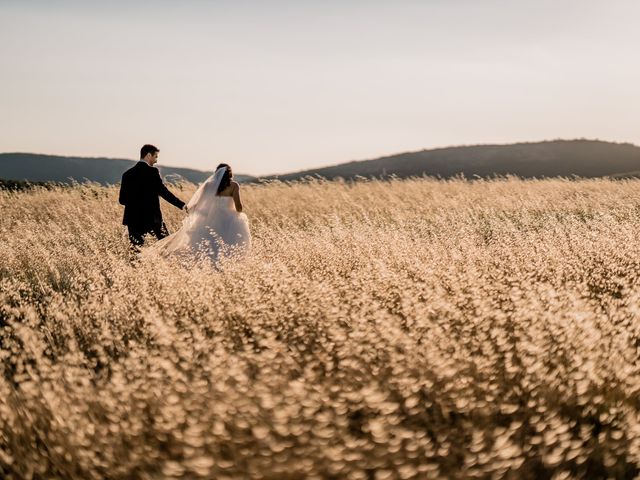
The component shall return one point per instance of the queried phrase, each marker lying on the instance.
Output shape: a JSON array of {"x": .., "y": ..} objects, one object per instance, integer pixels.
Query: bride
[{"x": 215, "y": 225}]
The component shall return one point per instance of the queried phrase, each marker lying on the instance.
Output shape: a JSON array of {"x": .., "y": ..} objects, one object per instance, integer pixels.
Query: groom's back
[{"x": 139, "y": 195}]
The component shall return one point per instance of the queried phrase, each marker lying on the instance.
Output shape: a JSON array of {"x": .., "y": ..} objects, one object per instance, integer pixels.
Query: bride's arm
[{"x": 236, "y": 197}]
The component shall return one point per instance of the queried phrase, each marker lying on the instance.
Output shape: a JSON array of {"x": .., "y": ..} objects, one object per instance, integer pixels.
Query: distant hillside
[
  {"x": 49, "y": 168},
  {"x": 18, "y": 185},
  {"x": 583, "y": 158}
]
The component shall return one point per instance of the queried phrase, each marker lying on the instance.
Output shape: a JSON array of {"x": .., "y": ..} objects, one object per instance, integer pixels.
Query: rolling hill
[
  {"x": 50, "y": 168},
  {"x": 566, "y": 158}
]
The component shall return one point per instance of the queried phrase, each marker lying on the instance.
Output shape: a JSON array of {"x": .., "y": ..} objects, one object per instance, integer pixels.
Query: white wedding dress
[{"x": 212, "y": 229}]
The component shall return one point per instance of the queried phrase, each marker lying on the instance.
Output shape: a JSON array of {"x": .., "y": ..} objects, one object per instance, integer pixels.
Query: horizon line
[{"x": 405, "y": 152}]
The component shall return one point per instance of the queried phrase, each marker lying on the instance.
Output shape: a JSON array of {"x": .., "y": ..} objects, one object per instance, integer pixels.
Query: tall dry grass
[{"x": 407, "y": 329}]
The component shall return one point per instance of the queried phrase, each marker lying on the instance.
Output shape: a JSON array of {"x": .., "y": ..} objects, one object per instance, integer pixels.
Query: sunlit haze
[{"x": 278, "y": 86}]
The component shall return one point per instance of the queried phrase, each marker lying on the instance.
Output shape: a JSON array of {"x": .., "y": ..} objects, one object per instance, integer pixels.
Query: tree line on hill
[{"x": 557, "y": 158}]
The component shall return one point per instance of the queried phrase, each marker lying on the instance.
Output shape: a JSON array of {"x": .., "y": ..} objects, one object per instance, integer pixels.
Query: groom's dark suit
[{"x": 140, "y": 190}]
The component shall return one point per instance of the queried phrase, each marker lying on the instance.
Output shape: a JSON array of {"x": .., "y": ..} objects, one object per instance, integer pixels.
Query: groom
[{"x": 139, "y": 191}]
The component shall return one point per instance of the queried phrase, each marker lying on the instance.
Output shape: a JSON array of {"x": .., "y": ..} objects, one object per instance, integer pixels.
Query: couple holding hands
[{"x": 214, "y": 223}]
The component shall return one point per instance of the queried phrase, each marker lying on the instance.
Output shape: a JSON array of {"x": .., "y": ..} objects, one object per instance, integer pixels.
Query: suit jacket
[{"x": 140, "y": 190}]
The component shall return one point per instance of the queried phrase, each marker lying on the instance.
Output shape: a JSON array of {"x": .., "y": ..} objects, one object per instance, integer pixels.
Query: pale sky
[{"x": 278, "y": 86}]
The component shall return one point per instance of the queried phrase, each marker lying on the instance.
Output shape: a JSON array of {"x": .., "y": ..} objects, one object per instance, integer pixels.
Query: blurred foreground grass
[{"x": 378, "y": 330}]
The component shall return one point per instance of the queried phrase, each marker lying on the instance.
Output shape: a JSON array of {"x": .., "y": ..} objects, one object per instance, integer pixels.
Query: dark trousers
[{"x": 136, "y": 235}]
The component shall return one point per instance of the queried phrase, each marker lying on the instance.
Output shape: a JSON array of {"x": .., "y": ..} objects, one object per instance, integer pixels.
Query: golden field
[{"x": 377, "y": 330}]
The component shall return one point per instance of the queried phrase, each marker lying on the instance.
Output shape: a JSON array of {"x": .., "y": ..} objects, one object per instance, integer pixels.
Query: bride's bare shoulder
[{"x": 230, "y": 189}]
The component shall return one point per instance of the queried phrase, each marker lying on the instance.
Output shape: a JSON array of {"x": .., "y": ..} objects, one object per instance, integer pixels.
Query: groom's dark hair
[{"x": 147, "y": 149}]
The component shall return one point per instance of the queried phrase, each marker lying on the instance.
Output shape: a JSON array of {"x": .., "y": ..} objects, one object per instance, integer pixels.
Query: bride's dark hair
[{"x": 226, "y": 178}]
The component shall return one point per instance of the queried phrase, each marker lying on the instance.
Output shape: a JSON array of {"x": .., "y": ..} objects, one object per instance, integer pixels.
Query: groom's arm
[
  {"x": 164, "y": 192},
  {"x": 124, "y": 191}
]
